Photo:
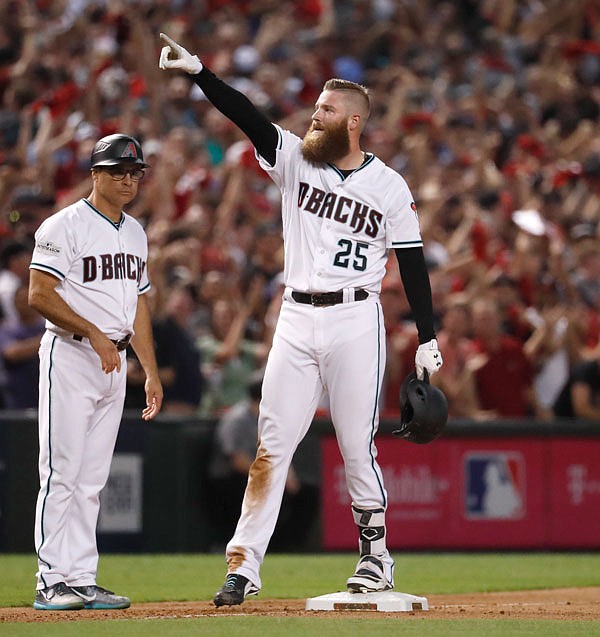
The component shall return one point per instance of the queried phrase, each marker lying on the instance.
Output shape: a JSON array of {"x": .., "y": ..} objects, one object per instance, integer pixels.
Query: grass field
[{"x": 195, "y": 577}]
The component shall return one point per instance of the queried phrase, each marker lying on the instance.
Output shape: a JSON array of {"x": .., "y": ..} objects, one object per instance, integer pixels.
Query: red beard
[{"x": 331, "y": 144}]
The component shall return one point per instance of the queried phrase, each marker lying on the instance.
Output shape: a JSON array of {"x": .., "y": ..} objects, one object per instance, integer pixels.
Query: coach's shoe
[
  {"x": 57, "y": 597},
  {"x": 97, "y": 598},
  {"x": 235, "y": 589},
  {"x": 374, "y": 573}
]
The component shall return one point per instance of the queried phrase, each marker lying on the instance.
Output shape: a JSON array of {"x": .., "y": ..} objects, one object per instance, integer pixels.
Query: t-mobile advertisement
[{"x": 474, "y": 493}]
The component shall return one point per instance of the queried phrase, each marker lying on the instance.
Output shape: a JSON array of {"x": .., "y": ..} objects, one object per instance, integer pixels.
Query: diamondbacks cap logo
[{"x": 129, "y": 151}]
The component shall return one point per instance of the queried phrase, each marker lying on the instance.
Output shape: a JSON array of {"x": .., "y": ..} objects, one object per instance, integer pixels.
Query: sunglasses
[{"x": 118, "y": 173}]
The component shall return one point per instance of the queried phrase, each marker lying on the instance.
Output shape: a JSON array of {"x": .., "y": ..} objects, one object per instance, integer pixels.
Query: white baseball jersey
[
  {"x": 337, "y": 231},
  {"x": 101, "y": 265}
]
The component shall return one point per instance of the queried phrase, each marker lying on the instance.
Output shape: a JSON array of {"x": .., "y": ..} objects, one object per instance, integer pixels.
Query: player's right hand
[
  {"x": 110, "y": 358},
  {"x": 174, "y": 56}
]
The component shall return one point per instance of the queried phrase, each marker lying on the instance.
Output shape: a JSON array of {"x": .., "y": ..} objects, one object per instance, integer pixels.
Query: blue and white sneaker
[
  {"x": 57, "y": 597},
  {"x": 97, "y": 598}
]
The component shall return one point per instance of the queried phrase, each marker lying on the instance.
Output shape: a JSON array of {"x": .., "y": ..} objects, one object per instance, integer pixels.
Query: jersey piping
[
  {"x": 47, "y": 268},
  {"x": 377, "y": 384},
  {"x": 43, "y": 539},
  {"x": 116, "y": 226},
  {"x": 367, "y": 161}
]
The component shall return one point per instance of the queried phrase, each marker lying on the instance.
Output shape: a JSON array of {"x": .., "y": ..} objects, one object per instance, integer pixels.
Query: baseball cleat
[
  {"x": 372, "y": 575},
  {"x": 235, "y": 589},
  {"x": 57, "y": 597},
  {"x": 98, "y": 598}
]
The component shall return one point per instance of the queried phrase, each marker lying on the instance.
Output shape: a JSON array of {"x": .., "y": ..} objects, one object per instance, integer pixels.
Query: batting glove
[
  {"x": 180, "y": 58},
  {"x": 428, "y": 357}
]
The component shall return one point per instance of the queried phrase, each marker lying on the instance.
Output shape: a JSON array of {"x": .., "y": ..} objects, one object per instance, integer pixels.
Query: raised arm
[{"x": 233, "y": 104}]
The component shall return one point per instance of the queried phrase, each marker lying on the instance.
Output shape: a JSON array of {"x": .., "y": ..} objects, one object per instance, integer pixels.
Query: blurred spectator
[
  {"x": 234, "y": 449},
  {"x": 503, "y": 375},
  {"x": 15, "y": 257},
  {"x": 456, "y": 378},
  {"x": 586, "y": 277},
  {"x": 580, "y": 397},
  {"x": 551, "y": 349},
  {"x": 178, "y": 357},
  {"x": 486, "y": 108},
  {"x": 229, "y": 357},
  {"x": 19, "y": 344},
  {"x": 29, "y": 208}
]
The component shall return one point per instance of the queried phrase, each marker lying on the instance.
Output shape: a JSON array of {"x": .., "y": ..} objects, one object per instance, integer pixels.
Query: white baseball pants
[
  {"x": 340, "y": 349},
  {"x": 80, "y": 410}
]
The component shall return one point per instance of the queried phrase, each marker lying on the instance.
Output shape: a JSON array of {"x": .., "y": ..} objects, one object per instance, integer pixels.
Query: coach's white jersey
[
  {"x": 337, "y": 232},
  {"x": 101, "y": 265}
]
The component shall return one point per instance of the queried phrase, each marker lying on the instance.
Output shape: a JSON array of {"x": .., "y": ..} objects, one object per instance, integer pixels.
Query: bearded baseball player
[
  {"x": 343, "y": 210},
  {"x": 88, "y": 278}
]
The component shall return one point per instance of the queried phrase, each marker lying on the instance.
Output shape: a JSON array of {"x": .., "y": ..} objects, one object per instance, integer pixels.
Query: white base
[{"x": 387, "y": 602}]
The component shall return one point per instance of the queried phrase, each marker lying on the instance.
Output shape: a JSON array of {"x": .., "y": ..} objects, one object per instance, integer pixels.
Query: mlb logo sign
[{"x": 494, "y": 485}]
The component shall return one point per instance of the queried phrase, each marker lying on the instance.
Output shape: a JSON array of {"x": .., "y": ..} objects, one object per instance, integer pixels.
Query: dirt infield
[{"x": 565, "y": 603}]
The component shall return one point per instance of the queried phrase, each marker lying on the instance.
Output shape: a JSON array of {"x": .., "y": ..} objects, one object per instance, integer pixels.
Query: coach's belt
[
  {"x": 327, "y": 298},
  {"x": 121, "y": 344}
]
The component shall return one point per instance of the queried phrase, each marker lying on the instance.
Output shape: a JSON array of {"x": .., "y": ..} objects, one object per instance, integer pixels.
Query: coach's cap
[{"x": 117, "y": 149}]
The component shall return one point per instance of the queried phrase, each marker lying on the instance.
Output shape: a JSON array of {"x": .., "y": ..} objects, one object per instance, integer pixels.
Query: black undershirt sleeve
[
  {"x": 240, "y": 110},
  {"x": 417, "y": 287}
]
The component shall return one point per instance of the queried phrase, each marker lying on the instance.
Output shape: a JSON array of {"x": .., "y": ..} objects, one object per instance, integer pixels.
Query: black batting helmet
[
  {"x": 118, "y": 149},
  {"x": 424, "y": 410}
]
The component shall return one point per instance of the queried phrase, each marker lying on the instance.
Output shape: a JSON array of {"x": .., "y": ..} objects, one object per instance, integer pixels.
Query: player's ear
[{"x": 354, "y": 122}]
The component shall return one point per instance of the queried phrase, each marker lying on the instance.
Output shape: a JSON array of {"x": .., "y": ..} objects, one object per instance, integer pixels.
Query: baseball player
[
  {"x": 88, "y": 277},
  {"x": 343, "y": 210}
]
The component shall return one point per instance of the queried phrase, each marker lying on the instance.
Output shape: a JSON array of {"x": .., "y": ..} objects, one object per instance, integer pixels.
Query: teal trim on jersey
[
  {"x": 378, "y": 309},
  {"x": 370, "y": 159},
  {"x": 116, "y": 226},
  {"x": 41, "y": 559},
  {"x": 42, "y": 266}
]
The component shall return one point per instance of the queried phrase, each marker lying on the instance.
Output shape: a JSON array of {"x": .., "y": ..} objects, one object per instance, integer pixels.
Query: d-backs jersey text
[
  {"x": 337, "y": 231},
  {"x": 88, "y": 252}
]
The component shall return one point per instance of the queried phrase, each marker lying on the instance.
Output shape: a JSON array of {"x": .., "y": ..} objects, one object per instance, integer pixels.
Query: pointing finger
[{"x": 165, "y": 38}]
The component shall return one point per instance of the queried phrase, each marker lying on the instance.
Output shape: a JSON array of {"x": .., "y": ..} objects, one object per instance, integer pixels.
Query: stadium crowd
[{"x": 490, "y": 110}]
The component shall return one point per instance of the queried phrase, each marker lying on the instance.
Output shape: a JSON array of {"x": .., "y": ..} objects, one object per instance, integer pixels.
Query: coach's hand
[
  {"x": 154, "y": 397},
  {"x": 110, "y": 357},
  {"x": 428, "y": 357},
  {"x": 174, "y": 56}
]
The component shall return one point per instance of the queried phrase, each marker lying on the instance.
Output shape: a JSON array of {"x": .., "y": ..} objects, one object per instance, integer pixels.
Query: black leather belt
[
  {"x": 121, "y": 344},
  {"x": 327, "y": 298}
]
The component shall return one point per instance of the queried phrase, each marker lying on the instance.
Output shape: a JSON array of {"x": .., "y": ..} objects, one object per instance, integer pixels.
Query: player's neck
[
  {"x": 108, "y": 209},
  {"x": 352, "y": 160}
]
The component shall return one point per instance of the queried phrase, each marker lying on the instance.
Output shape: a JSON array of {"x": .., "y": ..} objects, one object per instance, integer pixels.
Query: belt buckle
[
  {"x": 323, "y": 299},
  {"x": 123, "y": 343}
]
